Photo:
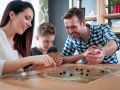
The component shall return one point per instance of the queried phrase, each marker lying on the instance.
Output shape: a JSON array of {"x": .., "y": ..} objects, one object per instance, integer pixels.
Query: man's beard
[{"x": 78, "y": 35}]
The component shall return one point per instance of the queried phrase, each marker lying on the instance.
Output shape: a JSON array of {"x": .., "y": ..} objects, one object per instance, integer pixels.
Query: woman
[{"x": 16, "y": 30}]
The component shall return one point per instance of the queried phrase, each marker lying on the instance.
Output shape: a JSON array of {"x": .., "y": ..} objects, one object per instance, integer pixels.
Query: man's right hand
[
  {"x": 90, "y": 50},
  {"x": 94, "y": 55}
]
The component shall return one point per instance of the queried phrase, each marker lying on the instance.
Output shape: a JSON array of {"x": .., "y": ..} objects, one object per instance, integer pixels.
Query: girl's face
[
  {"x": 45, "y": 42},
  {"x": 22, "y": 21}
]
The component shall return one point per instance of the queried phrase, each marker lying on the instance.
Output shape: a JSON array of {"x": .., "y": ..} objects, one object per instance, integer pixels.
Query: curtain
[{"x": 43, "y": 11}]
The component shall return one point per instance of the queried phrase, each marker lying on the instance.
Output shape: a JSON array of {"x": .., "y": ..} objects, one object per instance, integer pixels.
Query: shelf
[
  {"x": 90, "y": 18},
  {"x": 116, "y": 30},
  {"x": 114, "y": 15}
]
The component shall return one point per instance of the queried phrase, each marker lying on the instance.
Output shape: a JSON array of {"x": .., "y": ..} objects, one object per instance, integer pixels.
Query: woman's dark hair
[{"x": 22, "y": 43}]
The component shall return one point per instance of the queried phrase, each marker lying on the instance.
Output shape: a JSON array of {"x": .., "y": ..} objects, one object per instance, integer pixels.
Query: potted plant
[{"x": 114, "y": 5}]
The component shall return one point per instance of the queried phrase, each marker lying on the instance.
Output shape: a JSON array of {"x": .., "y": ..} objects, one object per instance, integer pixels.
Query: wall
[{"x": 56, "y": 9}]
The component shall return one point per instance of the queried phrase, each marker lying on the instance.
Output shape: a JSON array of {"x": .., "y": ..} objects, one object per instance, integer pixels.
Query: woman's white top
[{"x": 6, "y": 51}]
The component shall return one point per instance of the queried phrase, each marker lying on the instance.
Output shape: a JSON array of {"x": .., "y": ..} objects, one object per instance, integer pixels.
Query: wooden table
[{"x": 111, "y": 82}]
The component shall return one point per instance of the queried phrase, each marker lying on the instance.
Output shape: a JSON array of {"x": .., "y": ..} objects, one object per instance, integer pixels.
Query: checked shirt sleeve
[
  {"x": 108, "y": 34},
  {"x": 69, "y": 48}
]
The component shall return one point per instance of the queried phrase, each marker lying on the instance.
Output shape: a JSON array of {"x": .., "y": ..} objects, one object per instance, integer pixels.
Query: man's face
[{"x": 73, "y": 27}]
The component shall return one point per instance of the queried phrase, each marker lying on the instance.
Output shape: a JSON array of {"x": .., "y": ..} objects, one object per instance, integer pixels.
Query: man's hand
[
  {"x": 95, "y": 57},
  {"x": 90, "y": 50}
]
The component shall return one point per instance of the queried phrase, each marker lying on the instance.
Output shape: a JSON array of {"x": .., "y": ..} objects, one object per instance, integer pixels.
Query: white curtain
[
  {"x": 3, "y": 4},
  {"x": 41, "y": 11}
]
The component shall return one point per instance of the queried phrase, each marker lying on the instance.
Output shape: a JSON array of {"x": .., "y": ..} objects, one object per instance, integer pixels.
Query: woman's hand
[{"x": 42, "y": 61}]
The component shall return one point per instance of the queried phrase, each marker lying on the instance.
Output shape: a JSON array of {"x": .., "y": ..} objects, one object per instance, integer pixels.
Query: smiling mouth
[
  {"x": 46, "y": 48},
  {"x": 74, "y": 35},
  {"x": 24, "y": 27}
]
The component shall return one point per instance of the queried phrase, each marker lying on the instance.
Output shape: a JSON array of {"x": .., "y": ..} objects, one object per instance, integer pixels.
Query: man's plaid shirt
[{"x": 99, "y": 34}]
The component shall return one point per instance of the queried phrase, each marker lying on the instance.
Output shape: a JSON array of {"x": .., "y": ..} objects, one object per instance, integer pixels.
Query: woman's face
[
  {"x": 45, "y": 42},
  {"x": 22, "y": 21}
]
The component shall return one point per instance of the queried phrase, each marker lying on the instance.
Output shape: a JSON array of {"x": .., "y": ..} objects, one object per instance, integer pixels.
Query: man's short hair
[{"x": 74, "y": 12}]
